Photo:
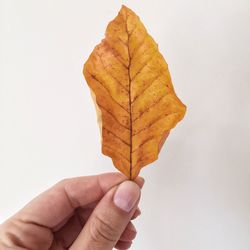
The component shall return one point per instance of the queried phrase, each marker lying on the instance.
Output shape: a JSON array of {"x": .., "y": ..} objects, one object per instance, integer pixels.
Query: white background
[{"x": 197, "y": 195}]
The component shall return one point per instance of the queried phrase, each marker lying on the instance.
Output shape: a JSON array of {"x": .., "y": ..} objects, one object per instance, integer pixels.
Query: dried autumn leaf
[{"x": 134, "y": 94}]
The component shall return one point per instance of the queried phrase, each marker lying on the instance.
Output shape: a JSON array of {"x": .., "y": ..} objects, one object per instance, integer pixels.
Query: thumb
[{"x": 109, "y": 219}]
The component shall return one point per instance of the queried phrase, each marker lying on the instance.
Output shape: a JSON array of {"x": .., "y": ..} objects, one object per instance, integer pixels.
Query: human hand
[{"x": 87, "y": 213}]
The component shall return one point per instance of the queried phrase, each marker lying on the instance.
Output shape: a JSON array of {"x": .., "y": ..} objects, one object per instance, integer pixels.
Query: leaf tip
[
  {"x": 126, "y": 10},
  {"x": 124, "y": 7}
]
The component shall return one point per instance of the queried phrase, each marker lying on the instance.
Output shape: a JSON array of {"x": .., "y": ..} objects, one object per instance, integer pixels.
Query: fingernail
[{"x": 126, "y": 196}]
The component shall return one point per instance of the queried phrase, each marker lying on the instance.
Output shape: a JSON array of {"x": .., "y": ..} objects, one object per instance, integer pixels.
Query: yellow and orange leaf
[{"x": 135, "y": 98}]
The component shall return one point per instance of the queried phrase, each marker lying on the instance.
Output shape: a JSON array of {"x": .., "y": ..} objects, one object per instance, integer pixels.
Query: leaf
[{"x": 134, "y": 94}]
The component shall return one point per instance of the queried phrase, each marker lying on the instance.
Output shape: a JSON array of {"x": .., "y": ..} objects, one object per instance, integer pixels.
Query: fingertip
[
  {"x": 122, "y": 245},
  {"x": 129, "y": 233},
  {"x": 108, "y": 180},
  {"x": 126, "y": 196},
  {"x": 136, "y": 214},
  {"x": 140, "y": 181}
]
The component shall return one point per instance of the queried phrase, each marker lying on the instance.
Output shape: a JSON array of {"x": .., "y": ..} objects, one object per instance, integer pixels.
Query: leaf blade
[{"x": 134, "y": 93}]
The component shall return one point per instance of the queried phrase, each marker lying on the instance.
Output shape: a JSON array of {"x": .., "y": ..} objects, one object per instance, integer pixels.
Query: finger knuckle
[{"x": 101, "y": 230}]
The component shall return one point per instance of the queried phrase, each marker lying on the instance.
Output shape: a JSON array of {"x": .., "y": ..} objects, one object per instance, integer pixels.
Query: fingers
[
  {"x": 57, "y": 207},
  {"x": 129, "y": 233},
  {"x": 136, "y": 214},
  {"x": 53, "y": 207},
  {"x": 109, "y": 219},
  {"x": 127, "y": 237},
  {"x": 139, "y": 181},
  {"x": 71, "y": 230},
  {"x": 121, "y": 245}
]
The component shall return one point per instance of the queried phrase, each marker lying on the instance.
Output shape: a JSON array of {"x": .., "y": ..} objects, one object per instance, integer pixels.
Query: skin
[{"x": 77, "y": 213}]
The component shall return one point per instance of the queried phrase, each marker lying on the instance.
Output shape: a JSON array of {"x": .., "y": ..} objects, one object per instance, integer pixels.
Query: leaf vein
[
  {"x": 148, "y": 109},
  {"x": 115, "y": 54},
  {"x": 148, "y": 86},
  {"x": 108, "y": 73},
  {"x": 112, "y": 115},
  {"x": 116, "y": 136},
  {"x": 143, "y": 66},
  {"x": 144, "y": 142},
  {"x": 94, "y": 77},
  {"x": 115, "y": 151},
  {"x": 153, "y": 122},
  {"x": 140, "y": 45}
]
